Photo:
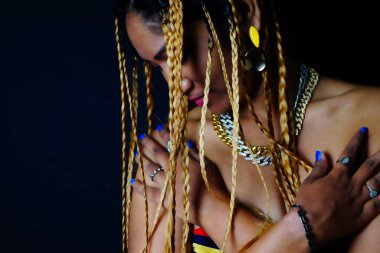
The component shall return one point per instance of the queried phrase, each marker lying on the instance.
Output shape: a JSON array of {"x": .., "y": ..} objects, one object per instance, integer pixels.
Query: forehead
[{"x": 146, "y": 42}]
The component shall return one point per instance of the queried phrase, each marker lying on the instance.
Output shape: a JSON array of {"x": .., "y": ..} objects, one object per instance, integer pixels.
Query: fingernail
[
  {"x": 159, "y": 128},
  {"x": 318, "y": 155},
  {"x": 364, "y": 130},
  {"x": 132, "y": 181},
  {"x": 136, "y": 153},
  {"x": 190, "y": 144},
  {"x": 141, "y": 137}
]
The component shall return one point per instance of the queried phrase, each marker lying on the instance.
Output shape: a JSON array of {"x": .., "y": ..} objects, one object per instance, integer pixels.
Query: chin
[{"x": 219, "y": 108}]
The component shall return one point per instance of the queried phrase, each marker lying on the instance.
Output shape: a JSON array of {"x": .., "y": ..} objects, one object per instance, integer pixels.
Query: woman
[{"x": 247, "y": 115}]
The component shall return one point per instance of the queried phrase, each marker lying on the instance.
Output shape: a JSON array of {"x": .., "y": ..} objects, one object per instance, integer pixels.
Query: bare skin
[{"x": 330, "y": 121}]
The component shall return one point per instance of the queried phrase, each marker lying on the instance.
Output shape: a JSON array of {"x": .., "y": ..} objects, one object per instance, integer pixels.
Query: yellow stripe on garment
[{"x": 204, "y": 249}]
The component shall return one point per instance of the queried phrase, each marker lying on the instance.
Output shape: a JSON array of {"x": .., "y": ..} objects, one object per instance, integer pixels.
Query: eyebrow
[{"x": 158, "y": 55}]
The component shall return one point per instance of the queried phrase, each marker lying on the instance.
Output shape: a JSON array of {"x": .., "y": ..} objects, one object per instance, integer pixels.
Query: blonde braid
[
  {"x": 186, "y": 176},
  {"x": 271, "y": 138},
  {"x": 166, "y": 182},
  {"x": 133, "y": 137},
  {"x": 139, "y": 157},
  {"x": 174, "y": 52},
  {"x": 149, "y": 95},
  {"x": 124, "y": 140},
  {"x": 235, "y": 113},
  {"x": 203, "y": 117},
  {"x": 282, "y": 181},
  {"x": 220, "y": 52},
  {"x": 283, "y": 107},
  {"x": 279, "y": 177}
]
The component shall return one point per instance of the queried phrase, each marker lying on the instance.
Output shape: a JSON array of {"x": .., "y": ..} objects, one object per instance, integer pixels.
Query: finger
[
  {"x": 163, "y": 134},
  {"x": 154, "y": 173},
  {"x": 155, "y": 151},
  {"x": 350, "y": 158},
  {"x": 371, "y": 209},
  {"x": 321, "y": 166},
  {"x": 368, "y": 169},
  {"x": 371, "y": 188},
  {"x": 153, "y": 194}
]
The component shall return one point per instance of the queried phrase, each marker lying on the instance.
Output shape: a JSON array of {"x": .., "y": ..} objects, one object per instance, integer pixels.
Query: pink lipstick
[{"x": 199, "y": 101}]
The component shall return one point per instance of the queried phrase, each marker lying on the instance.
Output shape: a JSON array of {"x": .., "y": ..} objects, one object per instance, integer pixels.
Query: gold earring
[
  {"x": 254, "y": 35},
  {"x": 254, "y": 58}
]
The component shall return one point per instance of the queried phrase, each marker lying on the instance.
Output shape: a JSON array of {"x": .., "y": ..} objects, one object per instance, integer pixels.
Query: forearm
[
  {"x": 287, "y": 235},
  {"x": 136, "y": 228}
]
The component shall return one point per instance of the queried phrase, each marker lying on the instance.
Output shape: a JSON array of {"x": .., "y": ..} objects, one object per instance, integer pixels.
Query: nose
[{"x": 187, "y": 85}]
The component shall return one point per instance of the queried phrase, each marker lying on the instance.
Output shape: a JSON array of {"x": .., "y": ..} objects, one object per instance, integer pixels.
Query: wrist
[{"x": 294, "y": 228}]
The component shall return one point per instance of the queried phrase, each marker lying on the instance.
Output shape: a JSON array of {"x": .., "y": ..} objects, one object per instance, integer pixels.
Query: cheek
[{"x": 165, "y": 71}]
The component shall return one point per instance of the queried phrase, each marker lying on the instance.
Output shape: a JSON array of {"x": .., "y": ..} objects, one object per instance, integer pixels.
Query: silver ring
[
  {"x": 154, "y": 173},
  {"x": 346, "y": 160},
  {"x": 372, "y": 193},
  {"x": 168, "y": 146}
]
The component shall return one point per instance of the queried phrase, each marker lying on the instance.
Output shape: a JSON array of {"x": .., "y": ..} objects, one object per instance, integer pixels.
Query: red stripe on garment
[{"x": 200, "y": 231}]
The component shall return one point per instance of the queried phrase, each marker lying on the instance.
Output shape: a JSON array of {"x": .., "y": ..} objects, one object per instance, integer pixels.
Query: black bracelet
[{"x": 305, "y": 222}]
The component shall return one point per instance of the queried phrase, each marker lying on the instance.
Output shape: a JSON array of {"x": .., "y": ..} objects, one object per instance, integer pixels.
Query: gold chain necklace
[
  {"x": 261, "y": 155},
  {"x": 223, "y": 125}
]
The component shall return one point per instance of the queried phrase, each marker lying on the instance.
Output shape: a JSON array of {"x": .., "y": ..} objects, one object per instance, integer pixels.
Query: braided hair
[{"x": 223, "y": 21}]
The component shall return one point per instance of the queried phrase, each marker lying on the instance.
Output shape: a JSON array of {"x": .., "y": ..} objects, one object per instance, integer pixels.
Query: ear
[{"x": 251, "y": 13}]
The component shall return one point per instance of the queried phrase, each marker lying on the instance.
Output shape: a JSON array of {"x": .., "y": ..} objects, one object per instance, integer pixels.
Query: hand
[
  {"x": 337, "y": 200},
  {"x": 155, "y": 155}
]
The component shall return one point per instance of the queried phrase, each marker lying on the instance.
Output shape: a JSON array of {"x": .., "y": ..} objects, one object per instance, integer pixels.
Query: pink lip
[{"x": 199, "y": 101}]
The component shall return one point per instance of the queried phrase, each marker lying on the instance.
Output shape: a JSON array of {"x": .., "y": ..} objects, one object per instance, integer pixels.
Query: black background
[{"x": 60, "y": 115}]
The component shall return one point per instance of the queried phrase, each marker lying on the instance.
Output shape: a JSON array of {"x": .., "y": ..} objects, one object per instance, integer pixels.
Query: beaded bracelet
[{"x": 305, "y": 222}]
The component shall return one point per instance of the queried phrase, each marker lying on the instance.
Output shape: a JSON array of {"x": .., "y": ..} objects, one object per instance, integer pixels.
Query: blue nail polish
[
  {"x": 318, "y": 155},
  {"x": 159, "y": 128},
  {"x": 364, "y": 130},
  {"x": 190, "y": 144},
  {"x": 141, "y": 137},
  {"x": 132, "y": 181},
  {"x": 136, "y": 153}
]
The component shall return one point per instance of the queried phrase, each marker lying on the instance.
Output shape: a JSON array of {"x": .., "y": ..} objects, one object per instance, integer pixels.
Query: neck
[{"x": 257, "y": 95}]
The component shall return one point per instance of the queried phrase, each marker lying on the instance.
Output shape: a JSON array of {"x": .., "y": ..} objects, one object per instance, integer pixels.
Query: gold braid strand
[
  {"x": 203, "y": 115},
  {"x": 139, "y": 157},
  {"x": 124, "y": 140},
  {"x": 280, "y": 146},
  {"x": 220, "y": 52},
  {"x": 234, "y": 34},
  {"x": 149, "y": 95},
  {"x": 174, "y": 41},
  {"x": 186, "y": 176}
]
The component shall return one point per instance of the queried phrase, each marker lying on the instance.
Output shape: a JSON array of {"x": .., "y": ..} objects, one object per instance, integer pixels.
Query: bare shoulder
[{"x": 337, "y": 110}]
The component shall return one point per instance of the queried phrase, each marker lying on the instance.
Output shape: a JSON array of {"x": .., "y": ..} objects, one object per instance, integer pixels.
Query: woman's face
[{"x": 150, "y": 46}]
